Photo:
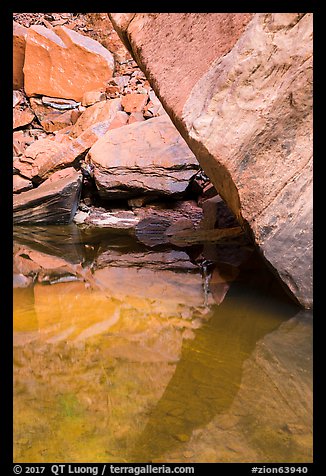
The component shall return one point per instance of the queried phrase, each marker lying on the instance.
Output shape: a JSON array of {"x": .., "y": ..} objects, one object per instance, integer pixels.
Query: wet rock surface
[{"x": 181, "y": 223}]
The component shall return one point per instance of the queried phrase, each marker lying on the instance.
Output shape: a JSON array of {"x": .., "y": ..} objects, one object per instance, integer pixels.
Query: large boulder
[
  {"x": 239, "y": 89},
  {"x": 19, "y": 45},
  {"x": 142, "y": 158},
  {"x": 63, "y": 63}
]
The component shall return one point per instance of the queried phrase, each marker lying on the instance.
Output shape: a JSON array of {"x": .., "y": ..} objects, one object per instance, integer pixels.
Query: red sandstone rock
[
  {"x": 60, "y": 103},
  {"x": 159, "y": 225},
  {"x": 120, "y": 81},
  {"x": 154, "y": 107},
  {"x": 120, "y": 119},
  {"x": 53, "y": 119},
  {"x": 22, "y": 116},
  {"x": 91, "y": 97},
  {"x": 136, "y": 117},
  {"x": 19, "y": 44},
  {"x": 112, "y": 91},
  {"x": 143, "y": 158},
  {"x": 209, "y": 191},
  {"x": 64, "y": 64},
  {"x": 134, "y": 102},
  {"x": 42, "y": 157},
  {"x": 62, "y": 134},
  {"x": 24, "y": 138},
  {"x": 45, "y": 156},
  {"x": 99, "y": 112},
  {"x": 21, "y": 184},
  {"x": 245, "y": 110},
  {"x": 217, "y": 214},
  {"x": 17, "y": 98}
]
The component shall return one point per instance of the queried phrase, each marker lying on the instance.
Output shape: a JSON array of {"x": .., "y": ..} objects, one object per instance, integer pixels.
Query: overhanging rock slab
[{"x": 239, "y": 89}]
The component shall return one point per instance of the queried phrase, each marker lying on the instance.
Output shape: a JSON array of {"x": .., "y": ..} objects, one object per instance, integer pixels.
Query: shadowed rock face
[
  {"x": 239, "y": 89},
  {"x": 71, "y": 64},
  {"x": 53, "y": 202}
]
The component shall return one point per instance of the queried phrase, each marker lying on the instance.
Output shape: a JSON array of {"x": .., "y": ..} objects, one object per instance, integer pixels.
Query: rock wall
[{"x": 239, "y": 89}]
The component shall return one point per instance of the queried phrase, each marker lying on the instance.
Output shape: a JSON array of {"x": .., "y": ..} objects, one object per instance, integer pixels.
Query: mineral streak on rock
[{"x": 245, "y": 111}]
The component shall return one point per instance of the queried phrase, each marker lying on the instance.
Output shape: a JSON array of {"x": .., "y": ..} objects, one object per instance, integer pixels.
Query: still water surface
[{"x": 128, "y": 354}]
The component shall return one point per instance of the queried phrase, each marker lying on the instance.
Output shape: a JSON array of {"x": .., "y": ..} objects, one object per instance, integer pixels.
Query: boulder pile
[{"x": 92, "y": 143}]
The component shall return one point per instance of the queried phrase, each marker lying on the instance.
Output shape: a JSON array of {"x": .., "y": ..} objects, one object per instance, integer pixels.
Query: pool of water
[{"x": 124, "y": 353}]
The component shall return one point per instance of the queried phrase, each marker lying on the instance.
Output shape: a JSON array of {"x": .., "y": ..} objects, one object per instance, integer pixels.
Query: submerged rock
[
  {"x": 143, "y": 158},
  {"x": 160, "y": 223},
  {"x": 53, "y": 202},
  {"x": 246, "y": 113},
  {"x": 183, "y": 224},
  {"x": 153, "y": 225},
  {"x": 173, "y": 260}
]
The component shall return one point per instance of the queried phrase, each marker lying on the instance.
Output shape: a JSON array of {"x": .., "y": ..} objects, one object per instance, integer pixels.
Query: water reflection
[
  {"x": 209, "y": 372},
  {"x": 120, "y": 359}
]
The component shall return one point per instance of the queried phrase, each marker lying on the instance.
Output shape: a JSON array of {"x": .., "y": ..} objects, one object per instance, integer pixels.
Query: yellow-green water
[{"x": 132, "y": 363}]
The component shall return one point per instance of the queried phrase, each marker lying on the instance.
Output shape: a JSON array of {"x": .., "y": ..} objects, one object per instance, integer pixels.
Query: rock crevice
[{"x": 245, "y": 111}]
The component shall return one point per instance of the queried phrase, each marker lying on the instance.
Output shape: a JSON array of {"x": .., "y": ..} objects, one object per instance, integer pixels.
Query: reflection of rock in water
[
  {"x": 135, "y": 306},
  {"x": 208, "y": 375}
]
